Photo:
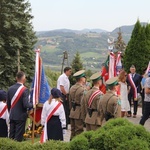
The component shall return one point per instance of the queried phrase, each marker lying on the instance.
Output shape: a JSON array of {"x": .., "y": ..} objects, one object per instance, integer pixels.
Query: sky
[{"x": 91, "y": 14}]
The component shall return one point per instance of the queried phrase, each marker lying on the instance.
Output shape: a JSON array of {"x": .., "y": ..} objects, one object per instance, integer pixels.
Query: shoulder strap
[
  {"x": 53, "y": 111},
  {"x": 17, "y": 96},
  {"x": 3, "y": 110},
  {"x": 108, "y": 100},
  {"x": 133, "y": 86},
  {"x": 43, "y": 137},
  {"x": 94, "y": 94}
]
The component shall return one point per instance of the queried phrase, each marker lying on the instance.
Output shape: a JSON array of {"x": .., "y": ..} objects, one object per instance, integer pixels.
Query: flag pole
[
  {"x": 35, "y": 91},
  {"x": 33, "y": 125}
]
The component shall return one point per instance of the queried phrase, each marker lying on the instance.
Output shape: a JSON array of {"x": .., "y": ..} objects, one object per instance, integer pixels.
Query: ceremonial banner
[
  {"x": 104, "y": 70},
  {"x": 118, "y": 64},
  {"x": 148, "y": 68},
  {"x": 104, "y": 74},
  {"x": 111, "y": 65},
  {"x": 40, "y": 89}
]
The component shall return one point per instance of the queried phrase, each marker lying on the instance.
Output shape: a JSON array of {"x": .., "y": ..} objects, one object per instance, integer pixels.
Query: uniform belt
[
  {"x": 77, "y": 104},
  {"x": 94, "y": 109}
]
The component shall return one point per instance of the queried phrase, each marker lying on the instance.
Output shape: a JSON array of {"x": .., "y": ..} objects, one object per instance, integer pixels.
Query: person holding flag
[
  {"x": 17, "y": 103},
  {"x": 53, "y": 117},
  {"x": 4, "y": 115}
]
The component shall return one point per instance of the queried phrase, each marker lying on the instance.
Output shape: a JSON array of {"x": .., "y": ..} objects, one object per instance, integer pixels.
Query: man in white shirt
[{"x": 63, "y": 84}]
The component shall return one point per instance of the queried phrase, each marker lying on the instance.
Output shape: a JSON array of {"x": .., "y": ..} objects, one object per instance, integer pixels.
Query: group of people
[{"x": 79, "y": 104}]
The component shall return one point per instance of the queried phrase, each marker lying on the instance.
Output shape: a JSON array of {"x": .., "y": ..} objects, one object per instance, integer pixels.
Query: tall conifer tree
[
  {"x": 76, "y": 65},
  {"x": 16, "y": 35},
  {"x": 138, "y": 50}
]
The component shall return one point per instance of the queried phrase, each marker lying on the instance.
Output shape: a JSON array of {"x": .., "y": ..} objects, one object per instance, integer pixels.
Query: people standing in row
[
  {"x": 134, "y": 81},
  {"x": 125, "y": 107},
  {"x": 76, "y": 96},
  {"x": 146, "y": 112},
  {"x": 17, "y": 103},
  {"x": 53, "y": 117},
  {"x": 4, "y": 115},
  {"x": 110, "y": 105},
  {"x": 92, "y": 100},
  {"x": 63, "y": 84}
]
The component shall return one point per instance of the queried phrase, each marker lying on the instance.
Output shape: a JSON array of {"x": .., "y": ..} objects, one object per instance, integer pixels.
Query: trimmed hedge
[
  {"x": 8, "y": 144},
  {"x": 116, "y": 134}
]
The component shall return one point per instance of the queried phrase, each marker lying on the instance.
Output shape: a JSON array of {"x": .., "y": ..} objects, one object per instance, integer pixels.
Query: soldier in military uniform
[
  {"x": 92, "y": 99},
  {"x": 76, "y": 95},
  {"x": 110, "y": 102}
]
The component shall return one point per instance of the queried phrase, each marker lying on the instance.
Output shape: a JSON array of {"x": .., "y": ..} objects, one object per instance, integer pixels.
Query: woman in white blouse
[
  {"x": 4, "y": 115},
  {"x": 125, "y": 107},
  {"x": 53, "y": 116}
]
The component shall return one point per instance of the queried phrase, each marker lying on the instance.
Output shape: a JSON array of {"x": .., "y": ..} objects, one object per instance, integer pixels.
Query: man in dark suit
[
  {"x": 134, "y": 83},
  {"x": 17, "y": 103}
]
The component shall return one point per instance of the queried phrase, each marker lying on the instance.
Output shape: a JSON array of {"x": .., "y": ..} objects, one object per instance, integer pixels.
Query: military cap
[
  {"x": 79, "y": 74},
  {"x": 2, "y": 95},
  {"x": 112, "y": 81},
  {"x": 96, "y": 76},
  {"x": 132, "y": 66}
]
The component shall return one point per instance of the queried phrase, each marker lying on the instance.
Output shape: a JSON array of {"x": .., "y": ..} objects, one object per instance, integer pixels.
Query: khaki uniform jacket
[
  {"x": 76, "y": 94},
  {"x": 113, "y": 105},
  {"x": 95, "y": 118}
]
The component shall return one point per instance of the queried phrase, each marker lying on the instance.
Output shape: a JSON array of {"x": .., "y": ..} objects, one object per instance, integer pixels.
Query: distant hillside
[{"x": 90, "y": 43}]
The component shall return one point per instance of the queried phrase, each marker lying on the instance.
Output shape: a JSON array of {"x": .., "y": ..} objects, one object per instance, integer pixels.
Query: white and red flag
[
  {"x": 148, "y": 68},
  {"x": 37, "y": 78}
]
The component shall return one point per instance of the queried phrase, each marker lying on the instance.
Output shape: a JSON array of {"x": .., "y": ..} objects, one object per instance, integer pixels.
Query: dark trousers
[
  {"x": 3, "y": 128},
  {"x": 66, "y": 108},
  {"x": 143, "y": 96},
  {"x": 146, "y": 113},
  {"x": 54, "y": 129},
  {"x": 17, "y": 129},
  {"x": 135, "y": 104}
]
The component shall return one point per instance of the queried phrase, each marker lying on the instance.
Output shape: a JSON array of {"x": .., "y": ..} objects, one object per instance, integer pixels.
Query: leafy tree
[
  {"x": 76, "y": 65},
  {"x": 138, "y": 48},
  {"x": 52, "y": 77},
  {"x": 16, "y": 36}
]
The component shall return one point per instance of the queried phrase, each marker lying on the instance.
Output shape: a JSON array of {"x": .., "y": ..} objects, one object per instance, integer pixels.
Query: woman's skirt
[
  {"x": 3, "y": 128},
  {"x": 54, "y": 129}
]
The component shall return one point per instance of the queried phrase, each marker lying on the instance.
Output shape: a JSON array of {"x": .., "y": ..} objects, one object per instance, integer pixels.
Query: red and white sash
[
  {"x": 93, "y": 96},
  {"x": 3, "y": 111},
  {"x": 17, "y": 95},
  {"x": 44, "y": 137},
  {"x": 133, "y": 86}
]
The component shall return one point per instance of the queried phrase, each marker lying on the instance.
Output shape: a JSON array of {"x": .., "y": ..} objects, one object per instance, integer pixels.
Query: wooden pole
[
  {"x": 18, "y": 56},
  {"x": 33, "y": 125}
]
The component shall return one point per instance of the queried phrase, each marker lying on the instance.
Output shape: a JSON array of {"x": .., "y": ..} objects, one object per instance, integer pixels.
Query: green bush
[
  {"x": 79, "y": 142},
  {"x": 116, "y": 134},
  {"x": 134, "y": 144},
  {"x": 8, "y": 144}
]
